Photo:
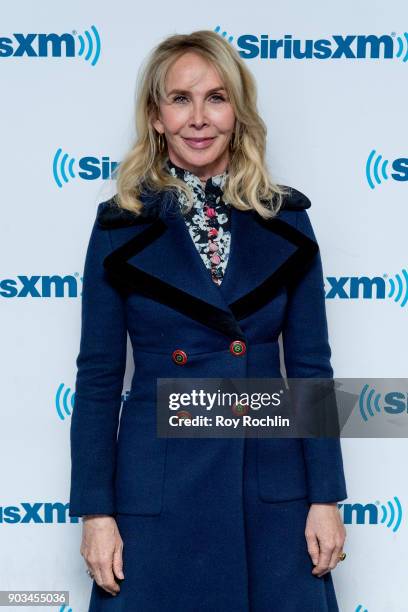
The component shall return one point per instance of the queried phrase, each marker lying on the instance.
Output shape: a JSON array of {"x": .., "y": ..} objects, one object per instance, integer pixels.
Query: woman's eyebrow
[{"x": 186, "y": 91}]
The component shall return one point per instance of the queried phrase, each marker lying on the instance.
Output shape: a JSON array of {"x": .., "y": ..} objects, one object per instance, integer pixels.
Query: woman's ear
[
  {"x": 156, "y": 122},
  {"x": 153, "y": 115}
]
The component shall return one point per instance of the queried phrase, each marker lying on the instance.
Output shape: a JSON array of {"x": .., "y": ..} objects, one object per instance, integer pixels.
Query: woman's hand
[
  {"x": 102, "y": 550},
  {"x": 325, "y": 535}
]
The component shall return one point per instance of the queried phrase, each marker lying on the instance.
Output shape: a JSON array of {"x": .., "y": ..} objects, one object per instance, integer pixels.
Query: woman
[{"x": 201, "y": 524}]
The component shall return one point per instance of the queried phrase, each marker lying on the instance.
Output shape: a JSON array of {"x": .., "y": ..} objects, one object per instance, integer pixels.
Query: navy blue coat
[{"x": 186, "y": 500}]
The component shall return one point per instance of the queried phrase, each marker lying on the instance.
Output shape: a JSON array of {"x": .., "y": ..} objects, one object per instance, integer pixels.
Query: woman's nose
[{"x": 198, "y": 117}]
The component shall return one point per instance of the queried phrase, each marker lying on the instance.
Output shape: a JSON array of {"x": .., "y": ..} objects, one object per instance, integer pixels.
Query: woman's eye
[{"x": 179, "y": 98}]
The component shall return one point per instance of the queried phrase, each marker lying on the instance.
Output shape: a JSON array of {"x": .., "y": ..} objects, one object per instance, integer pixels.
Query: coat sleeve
[
  {"x": 307, "y": 354},
  {"x": 101, "y": 365}
]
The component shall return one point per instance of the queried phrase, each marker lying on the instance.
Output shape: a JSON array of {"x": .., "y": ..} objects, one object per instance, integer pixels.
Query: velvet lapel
[
  {"x": 161, "y": 261},
  {"x": 265, "y": 256}
]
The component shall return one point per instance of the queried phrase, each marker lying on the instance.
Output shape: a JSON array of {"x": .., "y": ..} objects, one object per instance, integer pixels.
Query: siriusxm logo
[
  {"x": 388, "y": 515},
  {"x": 377, "y": 169},
  {"x": 377, "y": 287},
  {"x": 65, "y": 401},
  {"x": 88, "y": 168},
  {"x": 40, "y": 286},
  {"x": 38, "y": 512},
  {"x": 371, "y": 403},
  {"x": 337, "y": 46},
  {"x": 86, "y": 46}
]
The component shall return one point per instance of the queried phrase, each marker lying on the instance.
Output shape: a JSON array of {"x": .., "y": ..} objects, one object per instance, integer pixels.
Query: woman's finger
[
  {"x": 118, "y": 561},
  {"x": 313, "y": 547},
  {"x": 97, "y": 576},
  {"x": 108, "y": 581},
  {"x": 326, "y": 550},
  {"x": 336, "y": 553}
]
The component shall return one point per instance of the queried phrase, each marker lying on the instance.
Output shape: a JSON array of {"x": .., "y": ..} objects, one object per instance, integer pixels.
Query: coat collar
[{"x": 154, "y": 255}]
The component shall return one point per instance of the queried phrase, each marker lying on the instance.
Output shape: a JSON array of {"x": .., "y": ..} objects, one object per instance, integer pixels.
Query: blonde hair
[{"x": 248, "y": 184}]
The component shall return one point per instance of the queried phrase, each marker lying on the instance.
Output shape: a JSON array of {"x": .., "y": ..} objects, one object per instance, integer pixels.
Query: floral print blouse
[{"x": 209, "y": 221}]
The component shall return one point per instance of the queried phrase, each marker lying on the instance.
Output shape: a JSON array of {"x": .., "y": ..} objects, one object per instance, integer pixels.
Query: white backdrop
[{"x": 324, "y": 116}]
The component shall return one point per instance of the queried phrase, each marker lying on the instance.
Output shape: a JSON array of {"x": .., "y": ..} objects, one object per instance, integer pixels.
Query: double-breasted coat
[{"x": 207, "y": 524}]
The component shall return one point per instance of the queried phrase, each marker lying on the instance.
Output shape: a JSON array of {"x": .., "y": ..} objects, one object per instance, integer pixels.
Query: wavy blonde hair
[{"x": 248, "y": 185}]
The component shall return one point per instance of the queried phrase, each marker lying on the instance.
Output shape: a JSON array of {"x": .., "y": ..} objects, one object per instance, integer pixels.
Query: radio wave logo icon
[
  {"x": 89, "y": 45},
  {"x": 360, "y": 608},
  {"x": 399, "y": 287},
  {"x": 391, "y": 514},
  {"x": 368, "y": 402},
  {"x": 223, "y": 34},
  {"x": 64, "y": 401},
  {"x": 376, "y": 169},
  {"x": 62, "y": 166},
  {"x": 402, "y": 50}
]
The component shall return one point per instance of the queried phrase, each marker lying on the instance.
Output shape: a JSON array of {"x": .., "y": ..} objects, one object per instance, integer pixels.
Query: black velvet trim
[
  {"x": 111, "y": 216},
  {"x": 295, "y": 199},
  {"x": 131, "y": 278},
  {"x": 128, "y": 276},
  {"x": 287, "y": 274}
]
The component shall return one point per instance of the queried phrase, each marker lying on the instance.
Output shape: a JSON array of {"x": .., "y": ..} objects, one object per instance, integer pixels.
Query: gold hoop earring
[{"x": 161, "y": 143}]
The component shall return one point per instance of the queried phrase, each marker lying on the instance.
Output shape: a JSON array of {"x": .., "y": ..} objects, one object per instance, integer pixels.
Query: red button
[
  {"x": 179, "y": 357},
  {"x": 237, "y": 348},
  {"x": 240, "y": 409}
]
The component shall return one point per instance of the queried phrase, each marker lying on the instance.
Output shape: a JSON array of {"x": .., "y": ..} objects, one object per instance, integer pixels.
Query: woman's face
[{"x": 196, "y": 117}]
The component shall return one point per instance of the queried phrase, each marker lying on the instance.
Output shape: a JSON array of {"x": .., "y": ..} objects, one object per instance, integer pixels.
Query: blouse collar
[{"x": 214, "y": 185}]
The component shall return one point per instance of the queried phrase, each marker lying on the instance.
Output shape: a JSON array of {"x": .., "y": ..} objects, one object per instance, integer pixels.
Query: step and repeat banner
[{"x": 332, "y": 85}]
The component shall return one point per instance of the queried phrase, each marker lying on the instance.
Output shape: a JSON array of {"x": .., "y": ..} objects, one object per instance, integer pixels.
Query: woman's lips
[{"x": 198, "y": 143}]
